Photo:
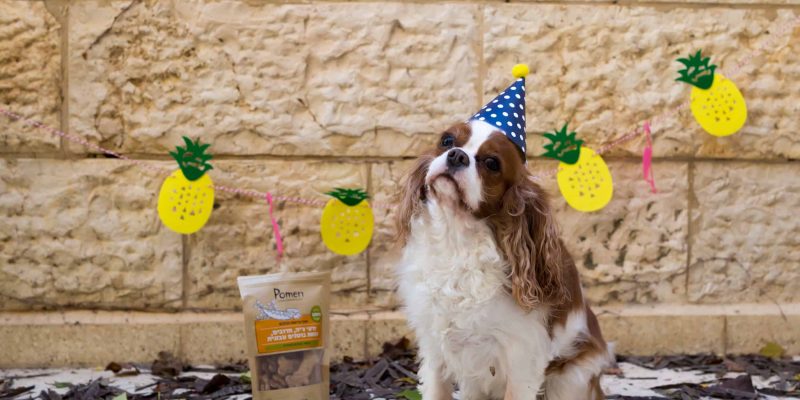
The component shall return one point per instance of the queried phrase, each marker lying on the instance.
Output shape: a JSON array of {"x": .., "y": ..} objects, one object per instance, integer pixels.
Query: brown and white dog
[{"x": 489, "y": 288}]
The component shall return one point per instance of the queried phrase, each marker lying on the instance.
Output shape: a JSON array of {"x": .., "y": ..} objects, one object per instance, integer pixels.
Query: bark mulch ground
[
  {"x": 393, "y": 373},
  {"x": 171, "y": 383},
  {"x": 783, "y": 375},
  {"x": 393, "y": 376}
]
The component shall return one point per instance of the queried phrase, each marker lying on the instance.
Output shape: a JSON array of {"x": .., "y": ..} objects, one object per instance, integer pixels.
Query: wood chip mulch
[
  {"x": 171, "y": 383},
  {"x": 783, "y": 376},
  {"x": 394, "y": 372}
]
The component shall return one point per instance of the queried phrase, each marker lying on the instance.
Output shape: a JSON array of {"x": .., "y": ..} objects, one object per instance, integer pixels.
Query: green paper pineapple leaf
[
  {"x": 350, "y": 197},
  {"x": 192, "y": 159},
  {"x": 563, "y": 146},
  {"x": 697, "y": 72}
]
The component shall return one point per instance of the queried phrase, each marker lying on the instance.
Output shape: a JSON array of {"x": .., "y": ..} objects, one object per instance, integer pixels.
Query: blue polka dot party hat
[{"x": 507, "y": 110}]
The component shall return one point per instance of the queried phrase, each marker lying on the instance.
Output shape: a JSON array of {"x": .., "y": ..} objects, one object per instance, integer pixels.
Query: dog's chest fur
[
  {"x": 453, "y": 279},
  {"x": 453, "y": 261}
]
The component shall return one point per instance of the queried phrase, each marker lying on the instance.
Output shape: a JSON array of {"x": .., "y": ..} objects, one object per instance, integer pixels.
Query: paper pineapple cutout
[
  {"x": 583, "y": 177},
  {"x": 347, "y": 222},
  {"x": 716, "y": 102},
  {"x": 187, "y": 195}
]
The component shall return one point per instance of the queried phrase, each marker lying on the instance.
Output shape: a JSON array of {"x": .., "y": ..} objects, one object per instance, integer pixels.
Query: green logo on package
[{"x": 316, "y": 313}]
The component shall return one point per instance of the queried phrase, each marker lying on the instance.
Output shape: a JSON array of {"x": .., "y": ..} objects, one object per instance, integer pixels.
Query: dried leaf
[
  {"x": 166, "y": 365},
  {"x": 11, "y": 393},
  {"x": 733, "y": 366},
  {"x": 113, "y": 367},
  {"x": 216, "y": 383},
  {"x": 246, "y": 377},
  {"x": 772, "y": 350},
  {"x": 122, "y": 369},
  {"x": 410, "y": 394},
  {"x": 50, "y": 394}
]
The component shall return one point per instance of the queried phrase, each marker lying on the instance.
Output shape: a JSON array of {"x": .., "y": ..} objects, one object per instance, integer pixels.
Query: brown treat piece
[
  {"x": 287, "y": 364},
  {"x": 281, "y": 380},
  {"x": 277, "y": 382},
  {"x": 262, "y": 371},
  {"x": 316, "y": 376},
  {"x": 302, "y": 375},
  {"x": 272, "y": 365}
]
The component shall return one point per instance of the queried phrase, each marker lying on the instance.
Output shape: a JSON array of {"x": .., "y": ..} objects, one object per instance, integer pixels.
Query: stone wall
[{"x": 299, "y": 97}]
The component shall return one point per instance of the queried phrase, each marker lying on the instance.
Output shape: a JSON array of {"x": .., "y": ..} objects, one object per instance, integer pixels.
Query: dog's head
[
  {"x": 477, "y": 172},
  {"x": 474, "y": 165}
]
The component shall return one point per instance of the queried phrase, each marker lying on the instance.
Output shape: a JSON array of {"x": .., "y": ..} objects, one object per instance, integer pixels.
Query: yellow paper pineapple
[
  {"x": 583, "y": 177},
  {"x": 187, "y": 195},
  {"x": 347, "y": 222},
  {"x": 716, "y": 102}
]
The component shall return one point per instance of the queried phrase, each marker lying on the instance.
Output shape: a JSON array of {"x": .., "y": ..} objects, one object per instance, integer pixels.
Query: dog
[{"x": 491, "y": 292}]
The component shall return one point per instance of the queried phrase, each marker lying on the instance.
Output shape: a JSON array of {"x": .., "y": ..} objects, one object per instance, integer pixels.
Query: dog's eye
[
  {"x": 448, "y": 141},
  {"x": 492, "y": 164}
]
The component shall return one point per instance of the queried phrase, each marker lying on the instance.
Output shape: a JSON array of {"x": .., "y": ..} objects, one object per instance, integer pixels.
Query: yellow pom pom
[{"x": 520, "y": 70}]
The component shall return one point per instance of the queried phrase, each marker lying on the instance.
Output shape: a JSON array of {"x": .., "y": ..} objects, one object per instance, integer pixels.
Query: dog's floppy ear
[
  {"x": 528, "y": 236},
  {"x": 411, "y": 195}
]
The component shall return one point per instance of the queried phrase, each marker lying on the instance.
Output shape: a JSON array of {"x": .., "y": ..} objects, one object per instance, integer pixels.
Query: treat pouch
[{"x": 286, "y": 320}]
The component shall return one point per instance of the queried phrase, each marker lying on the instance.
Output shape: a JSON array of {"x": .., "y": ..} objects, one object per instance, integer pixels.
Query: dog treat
[
  {"x": 288, "y": 363},
  {"x": 286, "y": 324},
  {"x": 305, "y": 371}
]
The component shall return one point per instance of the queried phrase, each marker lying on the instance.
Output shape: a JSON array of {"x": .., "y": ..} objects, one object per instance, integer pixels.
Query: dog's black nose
[{"x": 456, "y": 158}]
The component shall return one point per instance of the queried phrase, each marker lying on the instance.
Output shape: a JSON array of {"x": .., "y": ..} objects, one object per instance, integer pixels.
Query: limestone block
[
  {"x": 664, "y": 334},
  {"x": 30, "y": 75},
  {"x": 745, "y": 233},
  {"x": 213, "y": 342},
  {"x": 263, "y": 78},
  {"x": 748, "y": 333},
  {"x": 84, "y": 234},
  {"x": 85, "y": 345},
  {"x": 348, "y": 337}
]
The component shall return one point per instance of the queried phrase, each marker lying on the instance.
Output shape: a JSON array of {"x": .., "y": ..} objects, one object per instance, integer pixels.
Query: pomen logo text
[{"x": 292, "y": 295}]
